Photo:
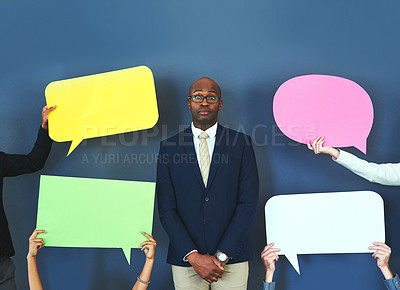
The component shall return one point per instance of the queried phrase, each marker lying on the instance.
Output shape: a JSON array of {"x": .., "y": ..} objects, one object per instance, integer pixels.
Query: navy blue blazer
[{"x": 218, "y": 217}]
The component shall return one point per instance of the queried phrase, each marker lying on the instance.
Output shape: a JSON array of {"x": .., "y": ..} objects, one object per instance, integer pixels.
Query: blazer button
[{"x": 207, "y": 198}]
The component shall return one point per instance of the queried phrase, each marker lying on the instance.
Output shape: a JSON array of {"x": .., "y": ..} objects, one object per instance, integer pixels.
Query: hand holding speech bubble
[
  {"x": 311, "y": 106},
  {"x": 95, "y": 213},
  {"x": 102, "y": 104},
  {"x": 324, "y": 223}
]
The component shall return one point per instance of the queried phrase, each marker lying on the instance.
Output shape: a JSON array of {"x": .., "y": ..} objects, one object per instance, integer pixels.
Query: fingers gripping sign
[
  {"x": 35, "y": 243},
  {"x": 148, "y": 247}
]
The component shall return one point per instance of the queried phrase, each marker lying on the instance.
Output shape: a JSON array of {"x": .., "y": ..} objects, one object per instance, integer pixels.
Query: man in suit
[
  {"x": 13, "y": 165},
  {"x": 207, "y": 190}
]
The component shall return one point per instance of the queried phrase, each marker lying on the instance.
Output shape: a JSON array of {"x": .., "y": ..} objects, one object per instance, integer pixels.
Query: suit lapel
[
  {"x": 220, "y": 141},
  {"x": 189, "y": 148}
]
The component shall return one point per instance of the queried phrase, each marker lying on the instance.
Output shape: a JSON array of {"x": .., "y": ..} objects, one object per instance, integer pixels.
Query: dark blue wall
[{"x": 249, "y": 48}]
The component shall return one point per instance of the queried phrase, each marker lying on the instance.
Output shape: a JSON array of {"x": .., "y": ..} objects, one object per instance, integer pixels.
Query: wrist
[
  {"x": 151, "y": 260},
  {"x": 222, "y": 257},
  {"x": 386, "y": 272},
  {"x": 192, "y": 257},
  {"x": 269, "y": 275},
  {"x": 142, "y": 281},
  {"x": 30, "y": 257},
  {"x": 334, "y": 153}
]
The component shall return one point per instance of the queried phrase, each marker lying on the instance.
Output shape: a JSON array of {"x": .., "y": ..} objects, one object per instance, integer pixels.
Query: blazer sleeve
[
  {"x": 246, "y": 209},
  {"x": 172, "y": 223},
  {"x": 16, "y": 164},
  {"x": 386, "y": 174}
]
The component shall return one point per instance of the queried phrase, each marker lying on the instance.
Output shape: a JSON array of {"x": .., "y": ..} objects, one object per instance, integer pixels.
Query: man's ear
[
  {"x": 189, "y": 105},
  {"x": 220, "y": 105}
]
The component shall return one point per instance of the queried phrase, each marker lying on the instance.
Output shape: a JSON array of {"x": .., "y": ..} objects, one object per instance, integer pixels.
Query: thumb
[{"x": 219, "y": 264}]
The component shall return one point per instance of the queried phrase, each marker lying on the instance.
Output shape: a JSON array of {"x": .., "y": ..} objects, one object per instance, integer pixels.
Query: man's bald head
[
  {"x": 203, "y": 83},
  {"x": 204, "y": 113}
]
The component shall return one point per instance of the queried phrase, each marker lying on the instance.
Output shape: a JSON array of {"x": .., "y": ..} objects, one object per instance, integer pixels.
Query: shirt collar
[{"x": 211, "y": 132}]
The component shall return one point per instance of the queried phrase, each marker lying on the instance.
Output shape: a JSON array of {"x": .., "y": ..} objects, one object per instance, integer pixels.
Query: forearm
[
  {"x": 16, "y": 164},
  {"x": 144, "y": 276},
  {"x": 177, "y": 232},
  {"x": 167, "y": 208},
  {"x": 386, "y": 273},
  {"x": 269, "y": 276},
  {"x": 386, "y": 174},
  {"x": 33, "y": 275},
  {"x": 333, "y": 152},
  {"x": 237, "y": 231},
  {"x": 246, "y": 209},
  {"x": 41, "y": 150}
]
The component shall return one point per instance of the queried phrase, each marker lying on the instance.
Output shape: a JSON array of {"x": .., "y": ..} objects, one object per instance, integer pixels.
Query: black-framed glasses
[{"x": 200, "y": 99}]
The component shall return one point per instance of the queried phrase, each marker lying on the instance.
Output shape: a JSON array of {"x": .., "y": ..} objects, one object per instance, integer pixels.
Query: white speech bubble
[{"x": 324, "y": 223}]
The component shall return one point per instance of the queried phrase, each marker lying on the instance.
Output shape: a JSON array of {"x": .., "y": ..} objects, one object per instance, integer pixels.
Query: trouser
[
  {"x": 234, "y": 278},
  {"x": 7, "y": 274}
]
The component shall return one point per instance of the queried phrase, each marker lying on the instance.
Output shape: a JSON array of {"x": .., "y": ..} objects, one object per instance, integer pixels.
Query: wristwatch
[{"x": 222, "y": 257}]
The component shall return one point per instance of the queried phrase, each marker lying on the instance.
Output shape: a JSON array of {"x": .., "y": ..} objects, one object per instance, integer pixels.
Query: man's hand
[
  {"x": 269, "y": 257},
  {"x": 45, "y": 116},
  {"x": 318, "y": 147},
  {"x": 208, "y": 267},
  {"x": 382, "y": 255},
  {"x": 35, "y": 243}
]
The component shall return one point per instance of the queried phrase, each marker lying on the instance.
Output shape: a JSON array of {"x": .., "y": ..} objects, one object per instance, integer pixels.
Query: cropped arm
[
  {"x": 33, "y": 275},
  {"x": 386, "y": 174},
  {"x": 16, "y": 164},
  {"x": 144, "y": 276}
]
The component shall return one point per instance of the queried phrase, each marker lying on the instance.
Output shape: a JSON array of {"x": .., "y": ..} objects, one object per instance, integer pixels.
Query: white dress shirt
[{"x": 211, "y": 132}]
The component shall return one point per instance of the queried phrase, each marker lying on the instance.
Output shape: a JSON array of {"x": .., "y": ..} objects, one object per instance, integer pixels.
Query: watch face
[{"x": 222, "y": 257}]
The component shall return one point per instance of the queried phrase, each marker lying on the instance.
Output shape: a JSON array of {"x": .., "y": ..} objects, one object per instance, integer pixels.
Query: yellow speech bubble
[{"x": 101, "y": 105}]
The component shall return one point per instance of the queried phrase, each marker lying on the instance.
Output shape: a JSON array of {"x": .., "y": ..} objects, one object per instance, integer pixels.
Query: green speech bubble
[{"x": 95, "y": 213}]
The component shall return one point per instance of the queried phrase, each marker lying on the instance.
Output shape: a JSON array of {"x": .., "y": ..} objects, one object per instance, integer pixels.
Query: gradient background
[{"x": 249, "y": 48}]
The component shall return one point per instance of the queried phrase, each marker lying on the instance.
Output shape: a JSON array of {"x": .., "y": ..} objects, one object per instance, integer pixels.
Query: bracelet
[{"x": 141, "y": 281}]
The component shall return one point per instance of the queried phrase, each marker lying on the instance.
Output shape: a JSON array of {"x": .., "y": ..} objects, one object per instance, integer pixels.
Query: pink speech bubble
[{"x": 311, "y": 106}]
